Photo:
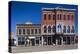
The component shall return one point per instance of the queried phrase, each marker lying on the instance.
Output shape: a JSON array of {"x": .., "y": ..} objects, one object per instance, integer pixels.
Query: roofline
[
  {"x": 58, "y": 8},
  {"x": 28, "y": 24}
]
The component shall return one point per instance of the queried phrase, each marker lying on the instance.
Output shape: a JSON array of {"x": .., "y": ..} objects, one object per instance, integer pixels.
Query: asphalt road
[{"x": 43, "y": 48}]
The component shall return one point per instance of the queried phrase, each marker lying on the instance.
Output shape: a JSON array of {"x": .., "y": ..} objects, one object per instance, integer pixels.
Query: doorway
[{"x": 49, "y": 41}]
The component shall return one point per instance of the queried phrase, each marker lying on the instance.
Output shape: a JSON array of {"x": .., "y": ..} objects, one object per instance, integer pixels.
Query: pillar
[
  {"x": 74, "y": 40},
  {"x": 66, "y": 40},
  {"x": 42, "y": 40},
  {"x": 35, "y": 41},
  {"x": 56, "y": 41},
  {"x": 47, "y": 40},
  {"x": 61, "y": 40},
  {"x": 39, "y": 41},
  {"x": 70, "y": 40}
]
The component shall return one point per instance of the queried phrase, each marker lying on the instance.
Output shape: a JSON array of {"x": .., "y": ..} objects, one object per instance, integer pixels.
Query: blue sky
[{"x": 22, "y": 12}]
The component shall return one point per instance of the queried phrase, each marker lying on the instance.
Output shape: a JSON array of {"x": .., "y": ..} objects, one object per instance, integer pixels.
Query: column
[
  {"x": 26, "y": 31},
  {"x": 74, "y": 40},
  {"x": 61, "y": 40},
  {"x": 51, "y": 41},
  {"x": 34, "y": 31},
  {"x": 47, "y": 40},
  {"x": 39, "y": 40},
  {"x": 66, "y": 40},
  {"x": 56, "y": 41},
  {"x": 42, "y": 40},
  {"x": 30, "y": 31},
  {"x": 70, "y": 40},
  {"x": 35, "y": 41},
  {"x": 21, "y": 31}
]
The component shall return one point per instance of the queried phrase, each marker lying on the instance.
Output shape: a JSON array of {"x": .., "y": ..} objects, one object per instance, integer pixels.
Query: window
[
  {"x": 49, "y": 17},
  {"x": 54, "y": 29},
  {"x": 68, "y": 17},
  {"x": 72, "y": 17},
  {"x": 35, "y": 31},
  {"x": 23, "y": 31},
  {"x": 19, "y": 43},
  {"x": 60, "y": 16},
  {"x": 44, "y": 16},
  {"x": 39, "y": 31},
  {"x": 53, "y": 17},
  {"x": 64, "y": 30},
  {"x": 19, "y": 38},
  {"x": 28, "y": 31},
  {"x": 45, "y": 29},
  {"x": 68, "y": 29},
  {"x": 64, "y": 17},
  {"x": 59, "y": 28},
  {"x": 19, "y": 31},
  {"x": 49, "y": 29},
  {"x": 32, "y": 31},
  {"x": 22, "y": 42},
  {"x": 23, "y": 38},
  {"x": 64, "y": 38}
]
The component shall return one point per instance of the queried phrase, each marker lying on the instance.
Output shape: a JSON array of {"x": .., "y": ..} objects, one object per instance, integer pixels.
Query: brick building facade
[{"x": 57, "y": 28}]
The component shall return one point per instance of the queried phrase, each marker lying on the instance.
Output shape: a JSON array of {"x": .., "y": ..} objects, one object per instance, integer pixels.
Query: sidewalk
[{"x": 43, "y": 48}]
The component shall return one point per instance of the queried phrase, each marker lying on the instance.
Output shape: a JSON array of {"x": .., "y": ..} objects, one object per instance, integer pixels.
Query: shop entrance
[{"x": 49, "y": 40}]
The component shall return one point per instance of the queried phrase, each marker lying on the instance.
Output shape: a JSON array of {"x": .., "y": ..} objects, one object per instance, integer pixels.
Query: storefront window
[{"x": 21, "y": 40}]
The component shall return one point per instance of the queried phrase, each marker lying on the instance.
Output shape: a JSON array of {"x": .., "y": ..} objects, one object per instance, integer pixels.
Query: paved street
[{"x": 43, "y": 48}]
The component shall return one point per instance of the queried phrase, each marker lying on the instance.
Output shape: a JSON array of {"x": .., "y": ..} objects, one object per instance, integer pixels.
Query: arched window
[
  {"x": 68, "y": 29},
  {"x": 59, "y": 28},
  {"x": 64, "y": 30},
  {"x": 45, "y": 29},
  {"x": 54, "y": 29},
  {"x": 49, "y": 29},
  {"x": 72, "y": 29}
]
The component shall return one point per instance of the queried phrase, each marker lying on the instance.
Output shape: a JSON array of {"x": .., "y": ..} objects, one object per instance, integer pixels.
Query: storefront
[{"x": 29, "y": 41}]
